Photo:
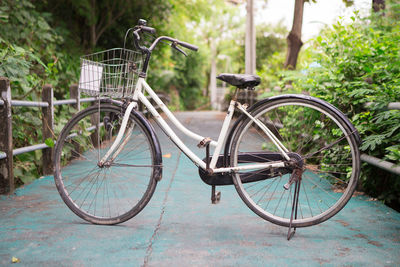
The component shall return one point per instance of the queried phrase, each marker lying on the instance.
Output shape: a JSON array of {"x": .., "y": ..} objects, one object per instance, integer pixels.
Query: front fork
[{"x": 120, "y": 135}]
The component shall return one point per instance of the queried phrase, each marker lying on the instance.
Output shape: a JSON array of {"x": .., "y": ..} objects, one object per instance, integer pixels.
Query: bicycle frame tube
[
  {"x": 222, "y": 134},
  {"x": 193, "y": 157},
  {"x": 139, "y": 96},
  {"x": 171, "y": 116},
  {"x": 270, "y": 135}
]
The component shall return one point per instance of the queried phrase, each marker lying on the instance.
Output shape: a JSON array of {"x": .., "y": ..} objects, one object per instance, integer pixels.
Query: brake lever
[
  {"x": 137, "y": 36},
  {"x": 173, "y": 45}
]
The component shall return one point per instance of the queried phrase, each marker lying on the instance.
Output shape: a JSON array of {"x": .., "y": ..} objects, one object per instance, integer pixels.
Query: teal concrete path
[{"x": 180, "y": 227}]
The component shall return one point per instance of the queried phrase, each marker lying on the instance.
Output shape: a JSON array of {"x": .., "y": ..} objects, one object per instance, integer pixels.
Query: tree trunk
[
  {"x": 378, "y": 6},
  {"x": 93, "y": 38},
  {"x": 294, "y": 38}
]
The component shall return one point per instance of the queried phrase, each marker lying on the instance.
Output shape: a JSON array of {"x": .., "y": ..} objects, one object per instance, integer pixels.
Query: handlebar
[
  {"x": 142, "y": 28},
  {"x": 188, "y": 46},
  {"x": 148, "y": 29},
  {"x": 174, "y": 42}
]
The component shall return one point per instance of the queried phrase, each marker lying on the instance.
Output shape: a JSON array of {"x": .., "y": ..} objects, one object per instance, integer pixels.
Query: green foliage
[
  {"x": 189, "y": 79},
  {"x": 200, "y": 22},
  {"x": 49, "y": 142},
  {"x": 29, "y": 59},
  {"x": 359, "y": 63},
  {"x": 101, "y": 23},
  {"x": 52, "y": 35},
  {"x": 270, "y": 40},
  {"x": 271, "y": 53}
]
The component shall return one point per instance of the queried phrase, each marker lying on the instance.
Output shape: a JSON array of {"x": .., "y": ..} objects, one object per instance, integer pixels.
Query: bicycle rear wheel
[
  {"x": 118, "y": 190},
  {"x": 318, "y": 138}
]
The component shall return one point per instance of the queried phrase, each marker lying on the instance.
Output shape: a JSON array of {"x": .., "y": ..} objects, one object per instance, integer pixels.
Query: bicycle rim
[
  {"x": 116, "y": 191},
  {"x": 330, "y": 159}
]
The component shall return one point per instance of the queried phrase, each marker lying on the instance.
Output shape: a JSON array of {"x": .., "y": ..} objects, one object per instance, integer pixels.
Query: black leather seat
[{"x": 241, "y": 81}]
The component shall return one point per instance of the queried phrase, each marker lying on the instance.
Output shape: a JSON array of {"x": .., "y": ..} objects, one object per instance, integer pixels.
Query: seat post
[{"x": 234, "y": 98}]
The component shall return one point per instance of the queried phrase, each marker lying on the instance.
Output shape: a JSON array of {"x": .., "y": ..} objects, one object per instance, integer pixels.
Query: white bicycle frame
[{"x": 139, "y": 96}]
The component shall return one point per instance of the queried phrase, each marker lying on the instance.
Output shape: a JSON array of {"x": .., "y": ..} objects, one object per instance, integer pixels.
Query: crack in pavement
[
  {"x": 149, "y": 249},
  {"x": 158, "y": 226}
]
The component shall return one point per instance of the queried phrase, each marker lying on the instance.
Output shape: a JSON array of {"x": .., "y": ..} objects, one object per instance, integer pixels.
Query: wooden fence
[{"x": 47, "y": 109}]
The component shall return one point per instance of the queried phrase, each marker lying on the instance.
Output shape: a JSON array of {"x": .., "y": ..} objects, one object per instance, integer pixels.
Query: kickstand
[
  {"x": 294, "y": 208},
  {"x": 215, "y": 196}
]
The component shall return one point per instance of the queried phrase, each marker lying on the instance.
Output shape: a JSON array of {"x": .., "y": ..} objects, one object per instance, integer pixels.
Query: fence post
[
  {"x": 74, "y": 94},
  {"x": 6, "y": 145},
  {"x": 48, "y": 126}
]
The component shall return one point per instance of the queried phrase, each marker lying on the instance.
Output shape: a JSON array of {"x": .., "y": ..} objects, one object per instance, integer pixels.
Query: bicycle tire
[
  {"x": 307, "y": 128},
  {"x": 105, "y": 194}
]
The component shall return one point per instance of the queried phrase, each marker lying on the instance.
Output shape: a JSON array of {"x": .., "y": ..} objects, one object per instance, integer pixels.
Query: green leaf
[
  {"x": 43, "y": 25},
  {"x": 49, "y": 142},
  {"x": 33, "y": 56}
]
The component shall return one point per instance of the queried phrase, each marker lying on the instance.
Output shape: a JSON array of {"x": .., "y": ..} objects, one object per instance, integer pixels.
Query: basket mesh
[{"x": 112, "y": 73}]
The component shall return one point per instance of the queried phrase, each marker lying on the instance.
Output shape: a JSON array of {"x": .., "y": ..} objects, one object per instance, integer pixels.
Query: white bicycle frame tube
[
  {"x": 218, "y": 145},
  {"x": 171, "y": 116},
  {"x": 138, "y": 95},
  {"x": 267, "y": 131},
  {"x": 222, "y": 134}
]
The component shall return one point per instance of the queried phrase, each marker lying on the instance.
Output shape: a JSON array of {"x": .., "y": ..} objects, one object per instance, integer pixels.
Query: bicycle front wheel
[
  {"x": 107, "y": 193},
  {"x": 319, "y": 139}
]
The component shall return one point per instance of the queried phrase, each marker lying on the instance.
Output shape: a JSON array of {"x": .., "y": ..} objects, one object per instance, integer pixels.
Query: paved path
[{"x": 180, "y": 227}]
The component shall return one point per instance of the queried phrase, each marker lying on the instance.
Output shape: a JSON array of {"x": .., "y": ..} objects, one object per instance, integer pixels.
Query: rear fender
[{"x": 327, "y": 105}]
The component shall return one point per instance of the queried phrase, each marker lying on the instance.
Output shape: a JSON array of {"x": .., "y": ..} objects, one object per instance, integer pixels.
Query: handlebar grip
[
  {"x": 187, "y": 45},
  {"x": 148, "y": 29}
]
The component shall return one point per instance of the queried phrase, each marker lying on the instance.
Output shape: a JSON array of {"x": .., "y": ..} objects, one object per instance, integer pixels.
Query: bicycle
[{"x": 293, "y": 159}]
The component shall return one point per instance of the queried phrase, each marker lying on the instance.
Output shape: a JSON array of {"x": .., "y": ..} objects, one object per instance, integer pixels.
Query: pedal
[{"x": 215, "y": 196}]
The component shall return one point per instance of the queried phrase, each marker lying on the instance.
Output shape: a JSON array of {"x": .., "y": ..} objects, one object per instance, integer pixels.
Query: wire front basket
[{"x": 112, "y": 73}]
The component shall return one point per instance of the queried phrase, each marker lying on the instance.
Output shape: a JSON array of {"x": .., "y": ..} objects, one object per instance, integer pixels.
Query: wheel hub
[
  {"x": 106, "y": 164},
  {"x": 296, "y": 161}
]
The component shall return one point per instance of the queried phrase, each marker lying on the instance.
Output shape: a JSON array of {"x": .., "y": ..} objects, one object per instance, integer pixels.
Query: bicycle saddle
[{"x": 241, "y": 81}]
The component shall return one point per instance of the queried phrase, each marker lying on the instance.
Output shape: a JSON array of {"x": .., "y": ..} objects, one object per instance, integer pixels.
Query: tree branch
[{"x": 109, "y": 23}]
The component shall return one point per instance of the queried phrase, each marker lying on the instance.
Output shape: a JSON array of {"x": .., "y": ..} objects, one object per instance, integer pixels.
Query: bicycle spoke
[
  {"x": 329, "y": 146},
  {"x": 110, "y": 193},
  {"x": 316, "y": 139},
  {"x": 90, "y": 176}
]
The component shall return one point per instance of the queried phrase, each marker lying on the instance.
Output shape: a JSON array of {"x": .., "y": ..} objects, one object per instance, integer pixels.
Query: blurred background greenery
[{"x": 348, "y": 64}]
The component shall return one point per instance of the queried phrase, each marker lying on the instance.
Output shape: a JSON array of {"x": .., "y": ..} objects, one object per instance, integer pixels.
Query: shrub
[{"x": 360, "y": 64}]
